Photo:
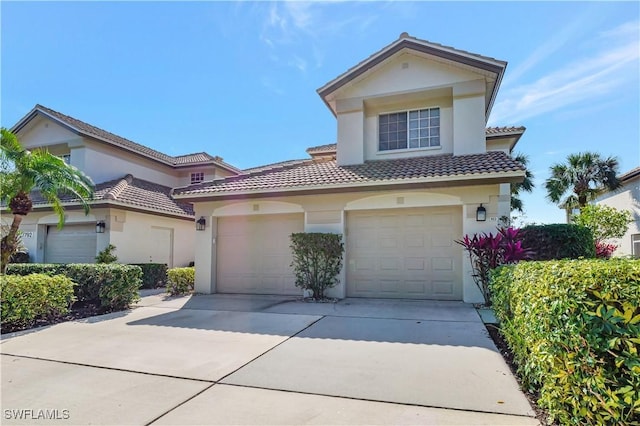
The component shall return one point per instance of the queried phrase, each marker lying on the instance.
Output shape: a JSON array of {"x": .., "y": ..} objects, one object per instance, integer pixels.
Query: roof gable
[
  {"x": 423, "y": 47},
  {"x": 85, "y": 129}
]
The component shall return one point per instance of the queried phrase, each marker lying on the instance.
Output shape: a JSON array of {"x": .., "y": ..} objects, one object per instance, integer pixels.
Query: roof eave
[{"x": 440, "y": 181}]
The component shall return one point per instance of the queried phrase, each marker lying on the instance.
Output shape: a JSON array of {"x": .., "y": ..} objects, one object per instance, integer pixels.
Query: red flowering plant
[
  {"x": 488, "y": 251},
  {"x": 605, "y": 250}
]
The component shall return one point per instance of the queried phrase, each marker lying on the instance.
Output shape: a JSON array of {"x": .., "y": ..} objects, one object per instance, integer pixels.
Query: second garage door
[
  {"x": 71, "y": 244},
  {"x": 253, "y": 254},
  {"x": 405, "y": 253}
]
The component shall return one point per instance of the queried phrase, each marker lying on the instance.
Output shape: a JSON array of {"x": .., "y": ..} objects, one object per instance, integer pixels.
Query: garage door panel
[
  {"x": 254, "y": 254},
  {"x": 71, "y": 244},
  {"x": 410, "y": 253}
]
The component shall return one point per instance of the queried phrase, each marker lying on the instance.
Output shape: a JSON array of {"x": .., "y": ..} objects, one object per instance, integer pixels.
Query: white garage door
[
  {"x": 406, "y": 253},
  {"x": 71, "y": 244},
  {"x": 253, "y": 254}
]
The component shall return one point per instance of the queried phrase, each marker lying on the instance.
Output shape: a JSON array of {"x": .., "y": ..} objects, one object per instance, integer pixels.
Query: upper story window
[
  {"x": 197, "y": 177},
  {"x": 409, "y": 129}
]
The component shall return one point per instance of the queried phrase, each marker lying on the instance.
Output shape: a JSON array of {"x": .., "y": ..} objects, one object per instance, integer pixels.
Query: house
[
  {"x": 626, "y": 198},
  {"x": 412, "y": 171},
  {"x": 133, "y": 208}
]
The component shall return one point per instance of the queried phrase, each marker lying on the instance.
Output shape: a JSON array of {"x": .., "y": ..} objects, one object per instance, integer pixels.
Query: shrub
[
  {"x": 604, "y": 221},
  {"x": 180, "y": 280},
  {"x": 558, "y": 241},
  {"x": 106, "y": 255},
  {"x": 605, "y": 250},
  {"x": 27, "y": 298},
  {"x": 574, "y": 329},
  {"x": 153, "y": 274},
  {"x": 487, "y": 252},
  {"x": 317, "y": 261},
  {"x": 19, "y": 257},
  {"x": 112, "y": 286}
]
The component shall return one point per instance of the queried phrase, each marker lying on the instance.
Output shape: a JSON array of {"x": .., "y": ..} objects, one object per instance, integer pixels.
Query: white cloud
[{"x": 610, "y": 66}]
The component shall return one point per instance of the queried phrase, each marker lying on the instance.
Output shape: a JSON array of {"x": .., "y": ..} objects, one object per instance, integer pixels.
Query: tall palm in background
[
  {"x": 526, "y": 185},
  {"x": 22, "y": 171},
  {"x": 581, "y": 178}
]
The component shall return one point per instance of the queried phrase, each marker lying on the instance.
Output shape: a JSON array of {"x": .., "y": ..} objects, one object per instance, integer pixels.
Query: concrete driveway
[{"x": 226, "y": 359}]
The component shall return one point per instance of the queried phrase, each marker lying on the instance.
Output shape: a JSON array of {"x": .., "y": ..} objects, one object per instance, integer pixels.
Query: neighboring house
[
  {"x": 627, "y": 198},
  {"x": 133, "y": 208},
  {"x": 412, "y": 166}
]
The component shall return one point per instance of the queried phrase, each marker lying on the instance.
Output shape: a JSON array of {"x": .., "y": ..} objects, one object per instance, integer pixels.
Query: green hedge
[
  {"x": 154, "y": 275},
  {"x": 112, "y": 285},
  {"x": 26, "y": 298},
  {"x": 180, "y": 281},
  {"x": 558, "y": 241},
  {"x": 574, "y": 329}
]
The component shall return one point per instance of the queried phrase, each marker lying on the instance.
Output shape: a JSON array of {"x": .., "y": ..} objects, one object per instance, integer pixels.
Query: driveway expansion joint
[
  {"x": 180, "y": 404},
  {"x": 124, "y": 370},
  {"x": 352, "y": 398}
]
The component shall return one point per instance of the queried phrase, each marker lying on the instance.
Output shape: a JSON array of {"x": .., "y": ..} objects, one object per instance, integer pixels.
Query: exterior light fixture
[
  {"x": 201, "y": 223},
  {"x": 100, "y": 227},
  {"x": 481, "y": 214}
]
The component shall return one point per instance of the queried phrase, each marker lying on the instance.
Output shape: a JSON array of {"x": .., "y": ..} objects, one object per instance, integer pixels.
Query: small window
[
  {"x": 197, "y": 177},
  {"x": 409, "y": 129},
  {"x": 635, "y": 245}
]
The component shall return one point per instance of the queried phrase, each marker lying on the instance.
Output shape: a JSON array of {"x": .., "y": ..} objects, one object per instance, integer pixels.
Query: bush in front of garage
[
  {"x": 317, "y": 261},
  {"x": 30, "y": 297},
  {"x": 154, "y": 275},
  {"x": 111, "y": 286},
  {"x": 180, "y": 281},
  {"x": 574, "y": 329}
]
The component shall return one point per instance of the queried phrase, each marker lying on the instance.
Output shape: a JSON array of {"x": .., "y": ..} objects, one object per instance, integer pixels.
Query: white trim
[{"x": 407, "y": 112}]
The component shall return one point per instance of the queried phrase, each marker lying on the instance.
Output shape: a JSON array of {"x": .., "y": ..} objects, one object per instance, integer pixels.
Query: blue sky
[{"x": 239, "y": 79}]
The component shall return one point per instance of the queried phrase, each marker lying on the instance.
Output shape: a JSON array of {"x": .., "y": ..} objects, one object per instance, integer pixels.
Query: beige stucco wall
[
  {"x": 407, "y": 82},
  {"x": 627, "y": 198},
  {"x": 327, "y": 213},
  {"x": 129, "y": 231}
]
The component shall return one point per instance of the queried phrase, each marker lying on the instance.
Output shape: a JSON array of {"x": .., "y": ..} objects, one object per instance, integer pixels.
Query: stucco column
[{"x": 205, "y": 255}]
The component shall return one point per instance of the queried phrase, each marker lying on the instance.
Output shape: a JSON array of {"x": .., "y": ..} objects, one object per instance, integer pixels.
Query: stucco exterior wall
[
  {"x": 130, "y": 232},
  {"x": 627, "y": 198},
  {"x": 408, "y": 82},
  {"x": 326, "y": 213}
]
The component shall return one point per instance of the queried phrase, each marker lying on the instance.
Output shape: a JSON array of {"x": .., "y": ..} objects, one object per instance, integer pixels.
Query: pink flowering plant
[{"x": 488, "y": 251}]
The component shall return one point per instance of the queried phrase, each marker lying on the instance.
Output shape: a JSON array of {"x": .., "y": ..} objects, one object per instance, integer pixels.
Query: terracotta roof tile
[
  {"x": 273, "y": 166},
  {"x": 496, "y": 131},
  {"x": 96, "y": 132},
  {"x": 132, "y": 192},
  {"x": 326, "y": 173}
]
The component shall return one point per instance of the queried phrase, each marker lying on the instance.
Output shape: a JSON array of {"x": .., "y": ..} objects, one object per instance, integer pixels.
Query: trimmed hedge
[
  {"x": 574, "y": 329},
  {"x": 26, "y": 298},
  {"x": 558, "y": 241},
  {"x": 317, "y": 261},
  {"x": 180, "y": 281},
  {"x": 113, "y": 286},
  {"x": 154, "y": 275}
]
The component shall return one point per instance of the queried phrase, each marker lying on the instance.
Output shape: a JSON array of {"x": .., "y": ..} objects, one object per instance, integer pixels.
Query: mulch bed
[
  {"x": 78, "y": 310},
  {"x": 505, "y": 351}
]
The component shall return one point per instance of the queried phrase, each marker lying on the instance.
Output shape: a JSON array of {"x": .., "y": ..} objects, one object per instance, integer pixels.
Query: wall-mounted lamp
[
  {"x": 201, "y": 223},
  {"x": 481, "y": 214},
  {"x": 100, "y": 227}
]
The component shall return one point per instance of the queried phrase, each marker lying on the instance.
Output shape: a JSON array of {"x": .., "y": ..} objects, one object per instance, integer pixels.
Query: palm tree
[
  {"x": 22, "y": 171},
  {"x": 526, "y": 185},
  {"x": 580, "y": 180}
]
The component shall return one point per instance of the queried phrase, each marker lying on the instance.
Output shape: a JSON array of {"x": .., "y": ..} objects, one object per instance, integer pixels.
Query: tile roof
[
  {"x": 505, "y": 130},
  {"x": 489, "y": 132},
  {"x": 132, "y": 192},
  {"x": 273, "y": 166},
  {"x": 95, "y": 132},
  {"x": 630, "y": 174},
  {"x": 326, "y": 173}
]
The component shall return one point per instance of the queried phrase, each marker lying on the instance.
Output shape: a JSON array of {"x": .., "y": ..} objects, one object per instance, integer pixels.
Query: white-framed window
[
  {"x": 197, "y": 177},
  {"x": 412, "y": 129},
  {"x": 635, "y": 245}
]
